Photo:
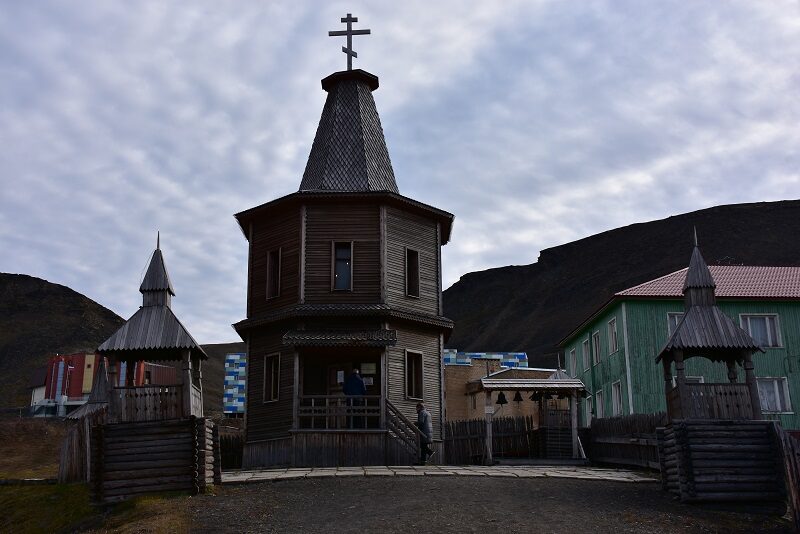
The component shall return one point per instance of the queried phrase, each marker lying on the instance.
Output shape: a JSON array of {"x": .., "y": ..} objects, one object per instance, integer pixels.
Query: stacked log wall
[
  {"x": 722, "y": 461},
  {"x": 131, "y": 459}
]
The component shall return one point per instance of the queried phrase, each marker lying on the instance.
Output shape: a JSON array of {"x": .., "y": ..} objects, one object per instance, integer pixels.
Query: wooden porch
[{"x": 341, "y": 431}]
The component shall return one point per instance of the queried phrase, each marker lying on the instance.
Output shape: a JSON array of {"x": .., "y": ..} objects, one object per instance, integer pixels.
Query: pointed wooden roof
[
  {"x": 349, "y": 152},
  {"x": 156, "y": 278},
  {"x": 704, "y": 328},
  {"x": 154, "y": 328}
]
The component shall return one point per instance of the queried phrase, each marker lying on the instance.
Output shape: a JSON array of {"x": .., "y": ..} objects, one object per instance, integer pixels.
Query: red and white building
[{"x": 65, "y": 382}]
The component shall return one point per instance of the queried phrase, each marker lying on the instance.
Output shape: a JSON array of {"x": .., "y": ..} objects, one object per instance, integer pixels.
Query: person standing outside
[
  {"x": 354, "y": 387},
  {"x": 425, "y": 426}
]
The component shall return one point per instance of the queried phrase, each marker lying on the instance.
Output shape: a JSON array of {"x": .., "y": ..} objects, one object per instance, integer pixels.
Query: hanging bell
[
  {"x": 501, "y": 399},
  {"x": 536, "y": 396},
  {"x": 517, "y": 397}
]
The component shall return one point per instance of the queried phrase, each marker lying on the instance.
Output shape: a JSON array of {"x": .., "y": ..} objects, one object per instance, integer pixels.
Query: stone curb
[{"x": 276, "y": 475}]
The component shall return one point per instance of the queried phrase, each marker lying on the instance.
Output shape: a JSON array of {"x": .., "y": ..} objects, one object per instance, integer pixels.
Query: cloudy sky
[{"x": 535, "y": 123}]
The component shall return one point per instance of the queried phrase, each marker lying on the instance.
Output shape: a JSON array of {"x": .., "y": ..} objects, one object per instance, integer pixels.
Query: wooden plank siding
[
  {"x": 282, "y": 230},
  {"x": 408, "y": 230},
  {"x": 267, "y": 420},
  {"x": 426, "y": 342},
  {"x": 327, "y": 223}
]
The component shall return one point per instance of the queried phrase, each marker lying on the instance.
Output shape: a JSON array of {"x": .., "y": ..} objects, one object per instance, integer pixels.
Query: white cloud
[{"x": 534, "y": 122}]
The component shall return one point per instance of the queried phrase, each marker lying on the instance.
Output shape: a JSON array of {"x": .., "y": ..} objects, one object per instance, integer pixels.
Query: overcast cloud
[{"x": 535, "y": 123}]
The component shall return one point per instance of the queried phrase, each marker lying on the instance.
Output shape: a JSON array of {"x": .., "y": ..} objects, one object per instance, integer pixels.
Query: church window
[
  {"x": 272, "y": 365},
  {"x": 274, "y": 273},
  {"x": 413, "y": 375},
  {"x": 343, "y": 266},
  {"x": 412, "y": 273}
]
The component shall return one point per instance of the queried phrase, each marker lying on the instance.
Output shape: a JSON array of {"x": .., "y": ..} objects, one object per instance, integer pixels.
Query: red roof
[{"x": 744, "y": 281}]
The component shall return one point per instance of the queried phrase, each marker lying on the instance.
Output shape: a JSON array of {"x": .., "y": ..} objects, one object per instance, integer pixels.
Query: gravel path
[{"x": 459, "y": 504}]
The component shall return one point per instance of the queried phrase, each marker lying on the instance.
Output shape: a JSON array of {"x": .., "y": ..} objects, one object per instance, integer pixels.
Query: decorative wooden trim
[
  {"x": 296, "y": 391},
  {"x": 249, "y": 266},
  {"x": 627, "y": 357},
  {"x": 439, "y": 265},
  {"x": 383, "y": 252},
  {"x": 302, "y": 288}
]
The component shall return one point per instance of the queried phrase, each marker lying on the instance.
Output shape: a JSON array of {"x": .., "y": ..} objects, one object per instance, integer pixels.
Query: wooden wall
[
  {"x": 404, "y": 229},
  {"x": 326, "y": 223},
  {"x": 131, "y": 459},
  {"x": 427, "y": 342},
  {"x": 281, "y": 229},
  {"x": 266, "y": 420}
]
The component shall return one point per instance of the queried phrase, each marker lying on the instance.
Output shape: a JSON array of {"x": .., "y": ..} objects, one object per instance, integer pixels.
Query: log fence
[
  {"x": 512, "y": 437},
  {"x": 627, "y": 440},
  {"x": 790, "y": 447}
]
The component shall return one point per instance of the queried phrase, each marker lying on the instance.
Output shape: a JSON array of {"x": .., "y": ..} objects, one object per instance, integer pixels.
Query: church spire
[
  {"x": 156, "y": 286},
  {"x": 699, "y": 287},
  {"x": 349, "y": 152}
]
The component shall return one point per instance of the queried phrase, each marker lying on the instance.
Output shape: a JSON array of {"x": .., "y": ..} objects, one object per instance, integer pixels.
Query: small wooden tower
[
  {"x": 715, "y": 447},
  {"x": 343, "y": 274},
  {"x": 149, "y": 438}
]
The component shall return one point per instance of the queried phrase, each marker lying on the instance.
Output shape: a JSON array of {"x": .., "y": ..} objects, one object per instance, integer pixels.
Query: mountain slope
[
  {"x": 38, "y": 319},
  {"x": 530, "y": 308}
]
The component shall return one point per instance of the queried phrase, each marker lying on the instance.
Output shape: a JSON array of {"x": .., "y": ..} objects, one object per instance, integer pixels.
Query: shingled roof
[
  {"x": 156, "y": 277},
  {"x": 349, "y": 151},
  {"x": 154, "y": 327},
  {"x": 732, "y": 281}
]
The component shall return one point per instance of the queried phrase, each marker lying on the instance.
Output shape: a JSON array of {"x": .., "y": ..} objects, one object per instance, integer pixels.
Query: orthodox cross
[{"x": 350, "y": 32}]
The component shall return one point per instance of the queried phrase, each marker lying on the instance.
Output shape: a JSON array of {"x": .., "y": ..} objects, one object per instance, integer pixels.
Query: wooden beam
[{"x": 488, "y": 411}]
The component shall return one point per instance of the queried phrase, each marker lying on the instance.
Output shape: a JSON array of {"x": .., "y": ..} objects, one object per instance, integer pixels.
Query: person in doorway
[
  {"x": 354, "y": 387},
  {"x": 425, "y": 426}
]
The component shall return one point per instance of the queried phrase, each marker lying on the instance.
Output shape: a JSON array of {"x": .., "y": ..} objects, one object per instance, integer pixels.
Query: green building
[{"x": 614, "y": 351}]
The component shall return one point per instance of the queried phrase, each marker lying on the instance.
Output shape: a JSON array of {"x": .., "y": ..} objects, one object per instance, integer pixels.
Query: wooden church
[{"x": 344, "y": 274}]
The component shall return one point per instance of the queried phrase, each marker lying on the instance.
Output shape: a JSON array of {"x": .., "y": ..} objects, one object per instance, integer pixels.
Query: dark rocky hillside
[
  {"x": 532, "y": 307},
  {"x": 38, "y": 319}
]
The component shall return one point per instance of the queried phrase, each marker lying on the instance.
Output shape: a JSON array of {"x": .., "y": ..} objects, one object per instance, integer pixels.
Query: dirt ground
[{"x": 459, "y": 504}]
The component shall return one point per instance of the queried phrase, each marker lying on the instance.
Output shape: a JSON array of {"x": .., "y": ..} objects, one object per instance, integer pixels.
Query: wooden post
[
  {"x": 573, "y": 414},
  {"x": 112, "y": 382},
  {"x": 666, "y": 362},
  {"x": 488, "y": 411},
  {"x": 680, "y": 383},
  {"x": 752, "y": 385},
  {"x": 296, "y": 392},
  {"x": 732, "y": 377},
  {"x": 186, "y": 382}
]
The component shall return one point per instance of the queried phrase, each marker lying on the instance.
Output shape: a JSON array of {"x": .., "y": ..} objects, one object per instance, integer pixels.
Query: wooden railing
[
  {"x": 710, "y": 401},
  {"x": 336, "y": 412},
  {"x": 400, "y": 427},
  {"x": 145, "y": 403}
]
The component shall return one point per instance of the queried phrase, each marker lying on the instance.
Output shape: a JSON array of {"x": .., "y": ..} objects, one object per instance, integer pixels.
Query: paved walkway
[{"x": 587, "y": 473}]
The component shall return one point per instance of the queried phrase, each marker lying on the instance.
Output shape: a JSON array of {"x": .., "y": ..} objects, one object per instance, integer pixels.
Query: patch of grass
[
  {"x": 51, "y": 508},
  {"x": 164, "y": 512},
  {"x": 66, "y": 508},
  {"x": 29, "y": 447}
]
